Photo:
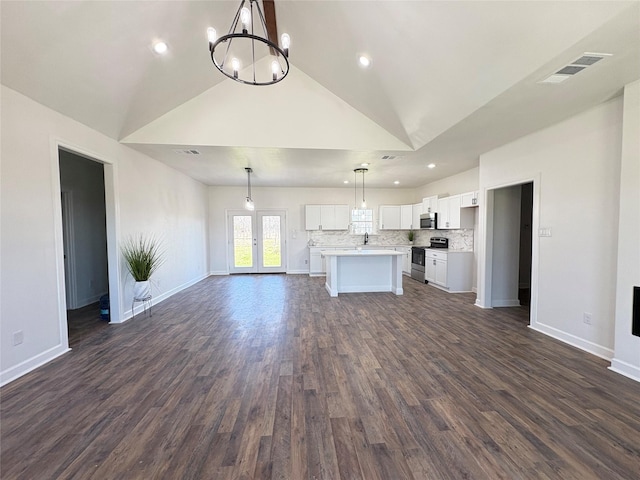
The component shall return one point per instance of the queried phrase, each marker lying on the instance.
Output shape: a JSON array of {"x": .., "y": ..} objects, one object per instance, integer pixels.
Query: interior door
[{"x": 257, "y": 241}]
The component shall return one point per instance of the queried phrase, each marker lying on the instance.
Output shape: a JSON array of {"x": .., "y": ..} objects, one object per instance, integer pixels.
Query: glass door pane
[
  {"x": 242, "y": 241},
  {"x": 271, "y": 244}
]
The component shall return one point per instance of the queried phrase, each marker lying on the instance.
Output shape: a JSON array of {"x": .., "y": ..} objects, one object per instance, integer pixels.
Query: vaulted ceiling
[{"x": 449, "y": 81}]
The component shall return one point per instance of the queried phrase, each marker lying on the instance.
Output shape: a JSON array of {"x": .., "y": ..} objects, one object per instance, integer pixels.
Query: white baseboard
[
  {"x": 506, "y": 303},
  {"x": 139, "y": 308},
  {"x": 479, "y": 304},
  {"x": 582, "y": 344},
  {"x": 218, "y": 272},
  {"x": 297, "y": 272},
  {"x": 626, "y": 369},
  {"x": 31, "y": 364}
]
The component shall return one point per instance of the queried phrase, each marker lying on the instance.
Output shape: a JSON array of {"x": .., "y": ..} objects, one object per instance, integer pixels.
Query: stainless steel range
[
  {"x": 418, "y": 259},
  {"x": 419, "y": 256}
]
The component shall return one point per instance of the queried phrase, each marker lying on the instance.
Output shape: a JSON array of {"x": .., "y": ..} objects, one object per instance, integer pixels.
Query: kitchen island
[{"x": 351, "y": 271}]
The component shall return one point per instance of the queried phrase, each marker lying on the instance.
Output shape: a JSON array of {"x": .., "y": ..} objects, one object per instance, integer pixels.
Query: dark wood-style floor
[
  {"x": 84, "y": 322},
  {"x": 268, "y": 377}
]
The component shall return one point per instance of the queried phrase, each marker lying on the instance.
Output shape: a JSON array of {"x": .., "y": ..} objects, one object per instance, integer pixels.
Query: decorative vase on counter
[{"x": 141, "y": 290}]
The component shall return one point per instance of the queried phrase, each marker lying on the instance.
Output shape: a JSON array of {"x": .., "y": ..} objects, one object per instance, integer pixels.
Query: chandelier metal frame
[{"x": 281, "y": 54}]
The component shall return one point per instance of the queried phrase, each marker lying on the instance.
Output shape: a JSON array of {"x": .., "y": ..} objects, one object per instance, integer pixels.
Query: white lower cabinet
[
  {"x": 406, "y": 259},
  {"x": 317, "y": 264},
  {"x": 450, "y": 271}
]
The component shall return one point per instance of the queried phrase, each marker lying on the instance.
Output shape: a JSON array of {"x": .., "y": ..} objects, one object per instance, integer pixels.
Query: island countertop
[{"x": 356, "y": 252}]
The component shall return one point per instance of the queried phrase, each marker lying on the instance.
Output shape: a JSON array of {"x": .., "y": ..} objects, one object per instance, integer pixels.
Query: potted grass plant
[
  {"x": 143, "y": 255},
  {"x": 410, "y": 236}
]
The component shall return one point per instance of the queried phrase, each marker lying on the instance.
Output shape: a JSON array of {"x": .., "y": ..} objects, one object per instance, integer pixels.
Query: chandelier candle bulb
[
  {"x": 235, "y": 64},
  {"x": 286, "y": 42},
  {"x": 211, "y": 35},
  {"x": 245, "y": 18}
]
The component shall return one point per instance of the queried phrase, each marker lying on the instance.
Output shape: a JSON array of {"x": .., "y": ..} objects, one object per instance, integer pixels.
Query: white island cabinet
[{"x": 350, "y": 271}]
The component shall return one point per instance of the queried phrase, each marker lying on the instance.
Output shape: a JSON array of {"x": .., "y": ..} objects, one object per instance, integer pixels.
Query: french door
[{"x": 257, "y": 241}]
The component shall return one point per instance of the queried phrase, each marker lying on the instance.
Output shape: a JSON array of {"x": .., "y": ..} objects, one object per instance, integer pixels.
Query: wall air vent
[{"x": 187, "y": 152}]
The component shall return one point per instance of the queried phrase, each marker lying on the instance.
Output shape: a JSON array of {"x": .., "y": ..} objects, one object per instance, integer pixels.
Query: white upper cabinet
[
  {"x": 326, "y": 217},
  {"x": 469, "y": 199},
  {"x": 416, "y": 211},
  {"x": 406, "y": 217},
  {"x": 430, "y": 204},
  {"x": 451, "y": 215},
  {"x": 390, "y": 216}
]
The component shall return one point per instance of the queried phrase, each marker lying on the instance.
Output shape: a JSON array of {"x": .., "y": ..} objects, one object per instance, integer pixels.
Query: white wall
[
  {"x": 84, "y": 179},
  {"x": 627, "y": 347},
  {"x": 576, "y": 165},
  {"x": 461, "y": 183},
  {"x": 293, "y": 200},
  {"x": 143, "y": 194},
  {"x": 506, "y": 247}
]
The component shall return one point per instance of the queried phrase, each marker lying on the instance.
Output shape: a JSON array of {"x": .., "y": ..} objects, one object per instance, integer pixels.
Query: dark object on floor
[{"x": 104, "y": 307}]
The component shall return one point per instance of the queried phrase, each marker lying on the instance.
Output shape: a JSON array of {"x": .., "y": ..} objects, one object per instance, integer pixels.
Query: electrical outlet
[
  {"x": 586, "y": 318},
  {"x": 18, "y": 337}
]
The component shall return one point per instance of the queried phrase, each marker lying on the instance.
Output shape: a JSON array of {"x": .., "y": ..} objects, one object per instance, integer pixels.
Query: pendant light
[
  {"x": 362, "y": 170},
  {"x": 248, "y": 203}
]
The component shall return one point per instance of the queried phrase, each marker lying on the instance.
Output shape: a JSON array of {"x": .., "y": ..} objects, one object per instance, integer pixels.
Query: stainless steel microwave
[{"x": 429, "y": 221}]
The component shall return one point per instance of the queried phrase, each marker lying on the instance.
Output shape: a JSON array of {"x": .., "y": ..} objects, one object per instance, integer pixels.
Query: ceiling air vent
[
  {"x": 187, "y": 152},
  {"x": 580, "y": 64},
  {"x": 569, "y": 70},
  {"x": 587, "y": 60},
  {"x": 388, "y": 157}
]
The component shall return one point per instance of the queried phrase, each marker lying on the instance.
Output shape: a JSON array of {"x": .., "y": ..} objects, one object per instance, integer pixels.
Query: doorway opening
[
  {"x": 84, "y": 232},
  {"x": 257, "y": 241},
  {"x": 510, "y": 246}
]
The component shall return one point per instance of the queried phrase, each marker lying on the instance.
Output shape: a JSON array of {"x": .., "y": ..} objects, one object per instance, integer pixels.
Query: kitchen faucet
[{"x": 366, "y": 238}]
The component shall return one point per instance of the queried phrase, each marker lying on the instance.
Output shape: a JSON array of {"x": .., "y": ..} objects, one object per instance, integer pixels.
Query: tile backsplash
[{"x": 458, "y": 239}]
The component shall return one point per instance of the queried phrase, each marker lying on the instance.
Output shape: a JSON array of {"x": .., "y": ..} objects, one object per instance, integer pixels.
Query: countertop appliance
[
  {"x": 418, "y": 261},
  {"x": 438, "y": 242},
  {"x": 429, "y": 221}
]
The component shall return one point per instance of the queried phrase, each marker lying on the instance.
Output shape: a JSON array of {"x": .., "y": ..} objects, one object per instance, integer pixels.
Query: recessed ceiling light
[
  {"x": 397, "y": 182},
  {"x": 364, "y": 61},
  {"x": 346, "y": 181},
  {"x": 364, "y": 164},
  {"x": 431, "y": 165},
  {"x": 160, "y": 48}
]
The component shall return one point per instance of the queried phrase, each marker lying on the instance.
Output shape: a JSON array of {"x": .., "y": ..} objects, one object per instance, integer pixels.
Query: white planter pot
[{"x": 141, "y": 290}]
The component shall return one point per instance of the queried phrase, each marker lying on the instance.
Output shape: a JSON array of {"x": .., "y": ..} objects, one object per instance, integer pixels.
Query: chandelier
[{"x": 238, "y": 49}]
